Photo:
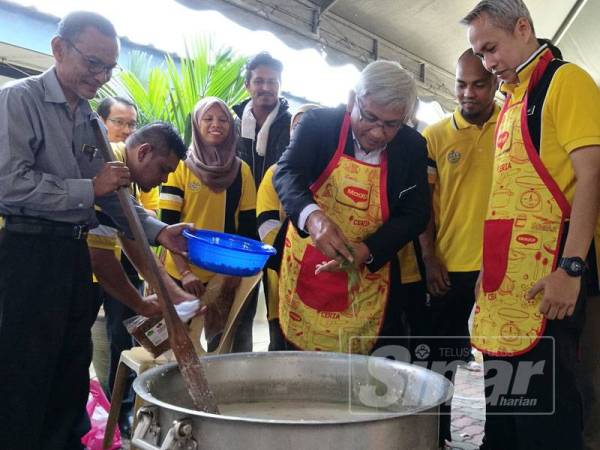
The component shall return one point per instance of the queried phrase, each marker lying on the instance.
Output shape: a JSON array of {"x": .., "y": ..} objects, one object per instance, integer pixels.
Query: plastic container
[{"x": 227, "y": 254}]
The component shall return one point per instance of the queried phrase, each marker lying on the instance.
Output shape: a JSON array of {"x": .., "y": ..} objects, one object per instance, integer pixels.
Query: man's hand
[
  {"x": 192, "y": 284},
  {"x": 361, "y": 254},
  {"x": 438, "y": 281},
  {"x": 171, "y": 238},
  {"x": 112, "y": 176},
  {"x": 328, "y": 237},
  {"x": 149, "y": 307},
  {"x": 560, "y": 294}
]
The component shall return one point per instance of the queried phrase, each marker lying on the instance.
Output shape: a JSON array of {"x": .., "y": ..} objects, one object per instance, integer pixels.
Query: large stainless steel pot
[{"x": 402, "y": 402}]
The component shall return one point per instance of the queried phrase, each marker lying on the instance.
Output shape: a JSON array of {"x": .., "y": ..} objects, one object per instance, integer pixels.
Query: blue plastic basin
[{"x": 227, "y": 254}]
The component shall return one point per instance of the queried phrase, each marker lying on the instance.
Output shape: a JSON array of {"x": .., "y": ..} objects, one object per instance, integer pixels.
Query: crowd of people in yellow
[{"x": 386, "y": 236}]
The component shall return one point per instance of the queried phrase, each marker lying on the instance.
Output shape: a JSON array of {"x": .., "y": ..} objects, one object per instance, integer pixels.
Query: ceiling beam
[
  {"x": 326, "y": 4},
  {"x": 566, "y": 24}
]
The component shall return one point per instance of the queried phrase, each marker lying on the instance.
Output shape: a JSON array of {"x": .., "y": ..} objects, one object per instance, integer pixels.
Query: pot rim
[{"x": 141, "y": 389}]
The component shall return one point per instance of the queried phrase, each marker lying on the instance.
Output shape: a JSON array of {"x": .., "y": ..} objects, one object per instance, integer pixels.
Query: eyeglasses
[
  {"x": 94, "y": 65},
  {"x": 122, "y": 123},
  {"x": 389, "y": 126}
]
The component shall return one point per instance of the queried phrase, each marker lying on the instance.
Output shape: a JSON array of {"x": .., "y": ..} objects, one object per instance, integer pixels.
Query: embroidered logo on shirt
[
  {"x": 454, "y": 156},
  {"x": 194, "y": 187}
]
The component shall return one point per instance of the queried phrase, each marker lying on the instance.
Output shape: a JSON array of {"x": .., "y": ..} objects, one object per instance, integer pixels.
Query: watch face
[{"x": 573, "y": 266}]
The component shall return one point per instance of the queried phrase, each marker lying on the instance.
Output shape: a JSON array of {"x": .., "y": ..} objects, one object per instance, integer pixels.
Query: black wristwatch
[{"x": 574, "y": 266}]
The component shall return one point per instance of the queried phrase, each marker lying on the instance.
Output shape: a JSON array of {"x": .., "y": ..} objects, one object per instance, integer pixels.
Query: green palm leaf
[{"x": 168, "y": 90}]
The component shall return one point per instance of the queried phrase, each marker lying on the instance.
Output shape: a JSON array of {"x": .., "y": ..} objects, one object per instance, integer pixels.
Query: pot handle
[{"x": 179, "y": 435}]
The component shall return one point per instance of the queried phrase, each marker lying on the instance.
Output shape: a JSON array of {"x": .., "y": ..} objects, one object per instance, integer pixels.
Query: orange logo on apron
[
  {"x": 316, "y": 312},
  {"x": 522, "y": 236}
]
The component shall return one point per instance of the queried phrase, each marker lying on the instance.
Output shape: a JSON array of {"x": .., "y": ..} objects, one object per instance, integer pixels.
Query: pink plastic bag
[{"x": 97, "y": 409}]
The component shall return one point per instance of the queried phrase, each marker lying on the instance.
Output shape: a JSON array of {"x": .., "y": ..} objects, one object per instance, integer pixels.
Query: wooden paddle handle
[{"x": 182, "y": 346}]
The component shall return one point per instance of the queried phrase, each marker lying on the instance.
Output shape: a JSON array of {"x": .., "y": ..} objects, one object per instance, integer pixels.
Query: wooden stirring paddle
[{"x": 190, "y": 365}]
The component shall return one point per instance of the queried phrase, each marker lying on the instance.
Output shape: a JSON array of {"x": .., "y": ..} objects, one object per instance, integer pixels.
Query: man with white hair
[
  {"x": 353, "y": 181},
  {"x": 537, "y": 234}
]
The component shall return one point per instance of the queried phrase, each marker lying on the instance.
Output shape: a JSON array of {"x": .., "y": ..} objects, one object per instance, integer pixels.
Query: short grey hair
[
  {"x": 387, "y": 83},
  {"x": 503, "y": 13}
]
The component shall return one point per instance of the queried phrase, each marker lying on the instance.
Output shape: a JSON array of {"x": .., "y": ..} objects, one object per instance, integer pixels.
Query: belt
[{"x": 34, "y": 226}]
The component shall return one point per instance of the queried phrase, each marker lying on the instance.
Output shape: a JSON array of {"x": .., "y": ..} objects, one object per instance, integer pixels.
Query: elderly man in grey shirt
[{"x": 51, "y": 175}]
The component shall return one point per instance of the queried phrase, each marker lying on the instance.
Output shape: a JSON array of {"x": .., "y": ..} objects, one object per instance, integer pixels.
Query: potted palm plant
[{"x": 168, "y": 90}]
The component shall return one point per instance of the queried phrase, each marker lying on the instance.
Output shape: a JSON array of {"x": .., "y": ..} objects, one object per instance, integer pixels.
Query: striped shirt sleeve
[{"x": 172, "y": 192}]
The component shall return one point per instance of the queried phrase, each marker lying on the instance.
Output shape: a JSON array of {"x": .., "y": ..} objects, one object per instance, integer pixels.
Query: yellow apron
[
  {"x": 317, "y": 312},
  {"x": 522, "y": 235}
]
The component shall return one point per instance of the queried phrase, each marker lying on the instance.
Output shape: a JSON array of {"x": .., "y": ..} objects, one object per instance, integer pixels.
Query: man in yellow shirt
[
  {"x": 538, "y": 231},
  {"x": 119, "y": 116},
  {"x": 150, "y": 153},
  {"x": 461, "y": 156},
  {"x": 270, "y": 217}
]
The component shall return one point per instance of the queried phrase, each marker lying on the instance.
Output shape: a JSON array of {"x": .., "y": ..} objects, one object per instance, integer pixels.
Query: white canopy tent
[{"x": 423, "y": 35}]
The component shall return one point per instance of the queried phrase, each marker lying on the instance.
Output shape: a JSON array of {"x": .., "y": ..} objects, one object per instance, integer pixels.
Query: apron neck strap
[{"x": 346, "y": 123}]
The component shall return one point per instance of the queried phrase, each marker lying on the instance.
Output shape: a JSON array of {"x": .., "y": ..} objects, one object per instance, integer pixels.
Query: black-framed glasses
[
  {"x": 94, "y": 65},
  {"x": 123, "y": 123},
  {"x": 374, "y": 121}
]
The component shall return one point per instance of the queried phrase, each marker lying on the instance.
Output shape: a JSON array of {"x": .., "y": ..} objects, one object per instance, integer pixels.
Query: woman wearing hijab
[{"x": 212, "y": 188}]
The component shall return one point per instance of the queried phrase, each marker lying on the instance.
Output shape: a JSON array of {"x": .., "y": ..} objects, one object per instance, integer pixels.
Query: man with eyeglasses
[
  {"x": 353, "y": 181},
  {"x": 119, "y": 116},
  {"x": 51, "y": 176}
]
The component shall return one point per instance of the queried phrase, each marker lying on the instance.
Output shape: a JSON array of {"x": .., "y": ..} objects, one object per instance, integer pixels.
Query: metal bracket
[
  {"x": 422, "y": 72},
  {"x": 316, "y": 20},
  {"x": 147, "y": 432},
  {"x": 147, "y": 425},
  {"x": 375, "y": 52},
  {"x": 180, "y": 437}
]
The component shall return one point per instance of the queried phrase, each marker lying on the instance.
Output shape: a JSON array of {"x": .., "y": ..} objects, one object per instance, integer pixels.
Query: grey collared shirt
[{"x": 48, "y": 157}]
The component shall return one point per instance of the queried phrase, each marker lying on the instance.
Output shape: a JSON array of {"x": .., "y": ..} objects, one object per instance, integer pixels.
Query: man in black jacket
[
  {"x": 264, "y": 118},
  {"x": 264, "y": 122},
  {"x": 353, "y": 181}
]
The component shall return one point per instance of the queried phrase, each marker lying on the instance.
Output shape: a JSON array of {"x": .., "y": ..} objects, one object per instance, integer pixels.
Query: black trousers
[
  {"x": 242, "y": 341},
  {"x": 418, "y": 314},
  {"x": 46, "y": 302},
  {"x": 449, "y": 318},
  {"x": 277, "y": 341},
  {"x": 555, "y": 420}
]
